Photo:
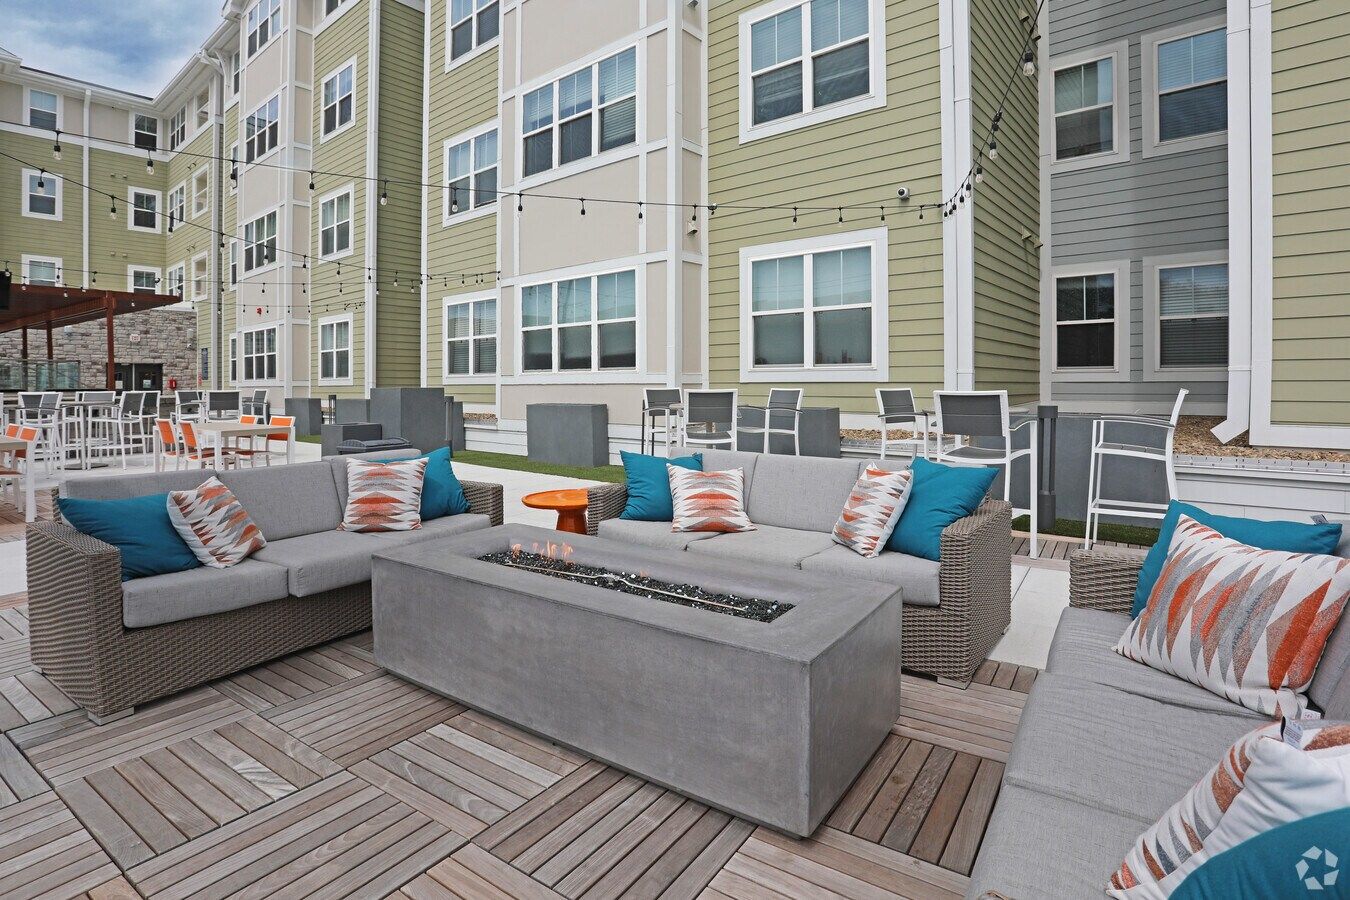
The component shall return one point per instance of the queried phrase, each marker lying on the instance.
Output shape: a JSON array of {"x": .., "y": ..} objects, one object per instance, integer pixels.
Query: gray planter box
[
  {"x": 332, "y": 435},
  {"x": 308, "y": 413},
  {"x": 568, "y": 434},
  {"x": 769, "y": 721},
  {"x": 415, "y": 414},
  {"x": 351, "y": 409},
  {"x": 455, "y": 424}
]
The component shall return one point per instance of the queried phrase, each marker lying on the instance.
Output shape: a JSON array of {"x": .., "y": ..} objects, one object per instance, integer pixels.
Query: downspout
[
  {"x": 217, "y": 294},
  {"x": 84, "y": 192},
  {"x": 372, "y": 188},
  {"x": 422, "y": 214},
  {"x": 675, "y": 190}
]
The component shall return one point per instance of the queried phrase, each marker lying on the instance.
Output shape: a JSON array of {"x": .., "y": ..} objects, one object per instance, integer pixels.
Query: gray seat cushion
[
  {"x": 650, "y": 534},
  {"x": 286, "y": 501},
  {"x": 323, "y": 561},
  {"x": 200, "y": 592},
  {"x": 1115, "y": 751},
  {"x": 916, "y": 577},
  {"x": 1038, "y": 846},
  {"x": 766, "y": 545},
  {"x": 803, "y": 492},
  {"x": 431, "y": 530},
  {"x": 123, "y": 487}
]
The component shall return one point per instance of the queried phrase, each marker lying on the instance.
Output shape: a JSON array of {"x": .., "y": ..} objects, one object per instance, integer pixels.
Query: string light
[
  {"x": 583, "y": 206},
  {"x": 149, "y": 164},
  {"x": 993, "y": 149},
  {"x": 42, "y": 173},
  {"x": 1028, "y": 65},
  {"x": 979, "y": 174},
  {"x": 639, "y": 210},
  {"x": 520, "y": 203},
  {"x": 112, "y": 211},
  {"x": 384, "y": 194},
  {"x": 56, "y": 148},
  {"x": 311, "y": 180}
]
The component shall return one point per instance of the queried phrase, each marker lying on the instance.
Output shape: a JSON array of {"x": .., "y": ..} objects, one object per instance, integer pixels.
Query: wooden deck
[{"x": 320, "y": 775}]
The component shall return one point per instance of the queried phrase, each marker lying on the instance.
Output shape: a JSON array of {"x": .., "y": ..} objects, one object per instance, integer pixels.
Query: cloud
[{"x": 134, "y": 45}]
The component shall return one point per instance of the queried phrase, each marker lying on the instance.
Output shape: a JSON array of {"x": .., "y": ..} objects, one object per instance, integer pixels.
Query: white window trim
[
  {"x": 457, "y": 300},
  {"x": 60, "y": 107},
  {"x": 281, "y": 116},
  {"x": 232, "y": 362},
  {"x": 131, "y": 131},
  {"x": 272, "y": 33},
  {"x": 132, "y": 191},
  {"x": 1119, "y": 54},
  {"x": 206, "y": 279},
  {"x": 876, "y": 37},
  {"x": 59, "y": 195},
  {"x": 170, "y": 130},
  {"x": 459, "y": 218},
  {"x": 324, "y": 137},
  {"x": 478, "y": 50},
  {"x": 328, "y": 18},
  {"x": 1120, "y": 269},
  {"x": 879, "y": 241},
  {"x": 192, "y": 201},
  {"x": 1148, "y": 60},
  {"x": 273, "y": 326},
  {"x": 350, "y": 190},
  {"x": 168, "y": 202},
  {"x": 131, "y": 276},
  {"x": 318, "y": 351},
  {"x": 1153, "y": 329},
  {"x": 233, "y": 154},
  {"x": 172, "y": 274},
  {"x": 272, "y": 263},
  {"x": 27, "y": 259},
  {"x": 520, "y": 375}
]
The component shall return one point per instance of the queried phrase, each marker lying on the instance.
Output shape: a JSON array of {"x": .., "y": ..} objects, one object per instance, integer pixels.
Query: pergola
[{"x": 48, "y": 307}]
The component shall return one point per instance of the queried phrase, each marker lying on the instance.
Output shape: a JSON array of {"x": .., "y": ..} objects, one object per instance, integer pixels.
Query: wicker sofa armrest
[
  {"x": 1104, "y": 578},
  {"x": 604, "y": 501},
  {"x": 991, "y": 522},
  {"x": 485, "y": 498}
]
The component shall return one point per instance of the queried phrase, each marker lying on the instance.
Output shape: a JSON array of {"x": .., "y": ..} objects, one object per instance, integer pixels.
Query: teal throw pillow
[
  {"x": 442, "y": 494},
  {"x": 1302, "y": 858},
  {"x": 139, "y": 527},
  {"x": 938, "y": 497},
  {"x": 649, "y": 485}
]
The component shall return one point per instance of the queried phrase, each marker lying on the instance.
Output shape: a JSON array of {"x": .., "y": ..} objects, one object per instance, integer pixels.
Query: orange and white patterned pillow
[
  {"x": 708, "y": 501},
  {"x": 384, "y": 496},
  {"x": 1248, "y": 624},
  {"x": 872, "y": 510},
  {"x": 1277, "y": 774},
  {"x": 214, "y": 525}
]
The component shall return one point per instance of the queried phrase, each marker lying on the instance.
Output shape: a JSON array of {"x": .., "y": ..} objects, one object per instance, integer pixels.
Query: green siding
[
  {"x": 113, "y": 246},
  {"x": 1310, "y": 374},
  {"x": 20, "y": 234},
  {"x": 1006, "y": 267},
  {"x": 856, "y": 159}
]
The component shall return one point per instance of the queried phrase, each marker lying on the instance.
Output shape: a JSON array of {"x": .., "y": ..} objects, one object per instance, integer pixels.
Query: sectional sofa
[
  {"x": 955, "y": 609},
  {"x": 110, "y": 645}
]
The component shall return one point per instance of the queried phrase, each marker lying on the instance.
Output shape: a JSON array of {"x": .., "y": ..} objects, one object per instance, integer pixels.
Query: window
[
  {"x": 335, "y": 225},
  {"x": 178, "y": 128},
  {"x": 142, "y": 280},
  {"x": 176, "y": 278},
  {"x": 234, "y": 262},
  {"x": 260, "y": 354},
  {"x": 581, "y": 324},
  {"x": 1085, "y": 109},
  {"x": 1185, "y": 87},
  {"x": 335, "y": 350},
  {"x": 471, "y": 173},
  {"x": 331, "y": 6},
  {"x": 144, "y": 212},
  {"x": 234, "y": 74},
  {"x": 260, "y": 129},
  {"x": 42, "y": 195},
  {"x": 201, "y": 191},
  {"x": 1085, "y": 321},
  {"x": 42, "y": 270},
  {"x": 595, "y": 107},
  {"x": 472, "y": 24},
  {"x": 145, "y": 132},
  {"x": 1192, "y": 316},
  {"x": 338, "y": 99},
  {"x": 44, "y": 110},
  {"x": 260, "y": 242},
  {"x": 177, "y": 205},
  {"x": 203, "y": 108},
  {"x": 264, "y": 22},
  {"x": 234, "y": 168},
  {"x": 199, "y": 277},
  {"x": 800, "y": 58},
  {"x": 471, "y": 337},
  {"x": 234, "y": 358}
]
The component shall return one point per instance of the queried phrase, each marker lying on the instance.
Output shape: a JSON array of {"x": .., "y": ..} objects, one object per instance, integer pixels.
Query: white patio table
[
  {"x": 13, "y": 445},
  {"x": 215, "y": 434}
]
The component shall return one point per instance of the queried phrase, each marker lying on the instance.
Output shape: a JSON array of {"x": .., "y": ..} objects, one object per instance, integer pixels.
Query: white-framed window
[
  {"x": 234, "y": 263},
  {"x": 260, "y": 242},
  {"x": 175, "y": 280},
  {"x": 1088, "y": 95},
  {"x": 471, "y": 24},
  {"x": 200, "y": 274},
  {"x": 41, "y": 195},
  {"x": 43, "y": 109},
  {"x": 261, "y": 129},
  {"x": 201, "y": 191},
  {"x": 235, "y": 70},
  {"x": 332, "y": 6},
  {"x": 802, "y": 63},
  {"x": 142, "y": 279},
  {"x": 1186, "y": 316},
  {"x": 335, "y": 349},
  {"x": 815, "y": 309},
  {"x": 176, "y": 208},
  {"x": 1091, "y": 339},
  {"x": 143, "y": 209},
  {"x": 339, "y": 100},
  {"x": 260, "y": 354},
  {"x": 234, "y": 358},
  {"x": 471, "y": 172},
  {"x": 586, "y": 324},
  {"x": 178, "y": 128},
  {"x": 203, "y": 106},
  {"x": 263, "y": 24},
  {"x": 145, "y": 131},
  {"x": 470, "y": 336},
  {"x": 41, "y": 270},
  {"x": 233, "y": 174},
  {"x": 586, "y": 112},
  {"x": 1185, "y": 87},
  {"x": 335, "y": 224}
]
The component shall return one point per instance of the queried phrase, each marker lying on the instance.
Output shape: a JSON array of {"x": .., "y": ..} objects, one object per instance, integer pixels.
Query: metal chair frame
[
  {"x": 666, "y": 406},
  {"x": 710, "y": 437},
  {"x": 782, "y": 402},
  {"x": 896, "y": 406}
]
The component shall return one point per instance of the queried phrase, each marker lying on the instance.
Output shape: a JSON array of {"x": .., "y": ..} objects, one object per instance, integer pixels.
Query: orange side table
[{"x": 570, "y": 505}]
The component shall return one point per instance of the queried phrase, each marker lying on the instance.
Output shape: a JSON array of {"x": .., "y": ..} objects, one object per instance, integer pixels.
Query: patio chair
[
  {"x": 189, "y": 405},
  {"x": 14, "y": 468},
  {"x": 1102, "y": 449},
  {"x": 984, "y": 414},
  {"x": 781, "y": 416},
  {"x": 149, "y": 413},
  {"x": 193, "y": 451},
  {"x": 896, "y": 406},
  {"x": 256, "y": 406},
  {"x": 168, "y": 445},
  {"x": 661, "y": 406},
  {"x": 282, "y": 437},
  {"x": 710, "y": 419},
  {"x": 124, "y": 424},
  {"x": 244, "y": 447},
  {"x": 42, "y": 410}
]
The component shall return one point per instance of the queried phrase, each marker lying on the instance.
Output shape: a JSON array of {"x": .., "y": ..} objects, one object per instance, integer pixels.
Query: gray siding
[{"x": 1156, "y": 206}]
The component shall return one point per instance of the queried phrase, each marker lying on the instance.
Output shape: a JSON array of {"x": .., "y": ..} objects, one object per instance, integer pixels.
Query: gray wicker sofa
[
  {"x": 1106, "y": 745},
  {"x": 111, "y": 645},
  {"x": 955, "y": 610}
]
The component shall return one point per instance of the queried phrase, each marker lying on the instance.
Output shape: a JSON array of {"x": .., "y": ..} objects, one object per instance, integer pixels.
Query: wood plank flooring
[{"x": 321, "y": 775}]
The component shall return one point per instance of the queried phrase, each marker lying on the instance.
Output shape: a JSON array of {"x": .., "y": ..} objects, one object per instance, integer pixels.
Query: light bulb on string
[
  {"x": 149, "y": 164},
  {"x": 639, "y": 210},
  {"x": 794, "y": 215},
  {"x": 311, "y": 179},
  {"x": 384, "y": 194},
  {"x": 112, "y": 211},
  {"x": 841, "y": 215},
  {"x": 583, "y": 205},
  {"x": 979, "y": 174},
  {"x": 1028, "y": 65},
  {"x": 42, "y": 173},
  {"x": 993, "y": 150},
  {"x": 520, "y": 203},
  {"x": 56, "y": 148}
]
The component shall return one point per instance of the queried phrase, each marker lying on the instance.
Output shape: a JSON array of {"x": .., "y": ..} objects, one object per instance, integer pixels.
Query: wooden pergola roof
[{"x": 41, "y": 306}]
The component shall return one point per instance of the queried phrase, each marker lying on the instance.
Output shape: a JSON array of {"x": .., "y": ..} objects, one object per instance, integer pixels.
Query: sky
[{"x": 134, "y": 45}]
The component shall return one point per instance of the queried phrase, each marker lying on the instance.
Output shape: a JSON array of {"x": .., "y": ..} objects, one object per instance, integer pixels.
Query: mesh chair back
[
  {"x": 166, "y": 435},
  {"x": 717, "y": 407},
  {"x": 131, "y": 403},
  {"x": 660, "y": 398},
  {"x": 51, "y": 400},
  {"x": 972, "y": 413},
  {"x": 189, "y": 434},
  {"x": 784, "y": 398},
  {"x": 98, "y": 396},
  {"x": 183, "y": 397},
  {"x": 150, "y": 403},
  {"x": 285, "y": 422},
  {"x": 30, "y": 400},
  {"x": 896, "y": 405}
]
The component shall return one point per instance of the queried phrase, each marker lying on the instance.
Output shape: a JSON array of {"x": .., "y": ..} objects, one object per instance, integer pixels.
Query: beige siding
[
  {"x": 1311, "y": 169},
  {"x": 229, "y": 218}
]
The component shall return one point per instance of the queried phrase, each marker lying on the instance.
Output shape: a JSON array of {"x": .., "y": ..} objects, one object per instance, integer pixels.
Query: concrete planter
[{"x": 568, "y": 434}]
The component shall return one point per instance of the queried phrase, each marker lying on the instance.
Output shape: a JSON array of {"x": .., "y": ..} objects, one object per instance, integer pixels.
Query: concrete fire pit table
[{"x": 770, "y": 721}]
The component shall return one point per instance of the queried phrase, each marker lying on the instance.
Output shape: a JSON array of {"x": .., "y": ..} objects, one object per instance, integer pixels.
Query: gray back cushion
[
  {"x": 804, "y": 492},
  {"x": 1330, "y": 688},
  {"x": 339, "y": 464},
  {"x": 286, "y": 501},
  {"x": 121, "y": 487},
  {"x": 724, "y": 461}
]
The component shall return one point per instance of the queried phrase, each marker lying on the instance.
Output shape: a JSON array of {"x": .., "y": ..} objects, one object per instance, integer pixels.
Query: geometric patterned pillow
[
  {"x": 872, "y": 509},
  {"x": 214, "y": 525},
  {"x": 708, "y": 501},
  {"x": 1247, "y": 624},
  {"x": 1278, "y": 774},
  {"x": 384, "y": 495}
]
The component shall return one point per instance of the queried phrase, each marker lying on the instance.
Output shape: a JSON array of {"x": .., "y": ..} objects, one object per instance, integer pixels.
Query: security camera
[{"x": 903, "y": 193}]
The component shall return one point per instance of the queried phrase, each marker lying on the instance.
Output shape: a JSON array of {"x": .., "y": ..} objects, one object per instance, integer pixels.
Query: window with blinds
[
  {"x": 1085, "y": 109},
  {"x": 593, "y": 107},
  {"x": 808, "y": 56},
  {"x": 1085, "y": 321},
  {"x": 1192, "y": 84},
  {"x": 1193, "y": 316}
]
